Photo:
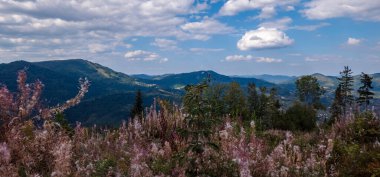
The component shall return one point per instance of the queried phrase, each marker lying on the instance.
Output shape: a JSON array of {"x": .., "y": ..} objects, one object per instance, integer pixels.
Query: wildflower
[{"x": 5, "y": 155}]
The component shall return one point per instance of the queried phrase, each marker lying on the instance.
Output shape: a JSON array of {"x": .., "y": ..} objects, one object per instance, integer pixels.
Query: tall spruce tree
[
  {"x": 253, "y": 100},
  {"x": 137, "y": 110},
  {"x": 346, "y": 83},
  {"x": 365, "y": 94},
  {"x": 336, "y": 109}
]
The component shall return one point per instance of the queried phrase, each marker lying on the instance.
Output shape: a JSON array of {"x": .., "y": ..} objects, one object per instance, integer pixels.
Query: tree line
[{"x": 265, "y": 107}]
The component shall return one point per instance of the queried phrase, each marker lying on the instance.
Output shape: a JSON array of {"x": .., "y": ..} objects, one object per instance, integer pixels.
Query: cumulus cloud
[
  {"x": 264, "y": 38},
  {"x": 165, "y": 44},
  {"x": 285, "y": 24},
  {"x": 206, "y": 27},
  {"x": 353, "y": 41},
  {"x": 267, "y": 7},
  {"x": 236, "y": 58},
  {"x": 200, "y": 50},
  {"x": 368, "y": 10},
  {"x": 141, "y": 55},
  {"x": 97, "y": 48},
  {"x": 79, "y": 27}
]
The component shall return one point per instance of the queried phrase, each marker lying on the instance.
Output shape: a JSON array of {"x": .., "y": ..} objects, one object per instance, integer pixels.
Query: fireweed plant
[{"x": 172, "y": 140}]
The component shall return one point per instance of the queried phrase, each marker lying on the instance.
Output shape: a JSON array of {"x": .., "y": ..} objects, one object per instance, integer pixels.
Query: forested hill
[
  {"x": 111, "y": 93},
  {"x": 110, "y": 96}
]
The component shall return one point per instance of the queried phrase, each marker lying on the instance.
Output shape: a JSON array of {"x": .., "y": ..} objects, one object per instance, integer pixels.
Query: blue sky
[{"x": 233, "y": 37}]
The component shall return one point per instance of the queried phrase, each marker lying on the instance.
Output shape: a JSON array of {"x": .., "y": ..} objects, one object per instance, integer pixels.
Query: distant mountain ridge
[
  {"x": 179, "y": 81},
  {"x": 276, "y": 79},
  {"x": 111, "y": 93},
  {"x": 61, "y": 83}
]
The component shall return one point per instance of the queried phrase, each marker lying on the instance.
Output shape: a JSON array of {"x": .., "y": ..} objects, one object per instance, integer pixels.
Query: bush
[{"x": 298, "y": 117}]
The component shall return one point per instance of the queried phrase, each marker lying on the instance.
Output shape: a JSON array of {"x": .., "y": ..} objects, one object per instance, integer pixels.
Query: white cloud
[
  {"x": 281, "y": 24},
  {"x": 353, "y": 41},
  {"x": 285, "y": 24},
  {"x": 237, "y": 58},
  {"x": 232, "y": 58},
  {"x": 313, "y": 59},
  {"x": 309, "y": 27},
  {"x": 141, "y": 55},
  {"x": 267, "y": 7},
  {"x": 289, "y": 8},
  {"x": 268, "y": 60},
  {"x": 323, "y": 58},
  {"x": 368, "y": 10},
  {"x": 200, "y": 50},
  {"x": 264, "y": 38},
  {"x": 206, "y": 27},
  {"x": 163, "y": 60},
  {"x": 80, "y": 27},
  {"x": 267, "y": 12},
  {"x": 165, "y": 44},
  {"x": 97, "y": 48}
]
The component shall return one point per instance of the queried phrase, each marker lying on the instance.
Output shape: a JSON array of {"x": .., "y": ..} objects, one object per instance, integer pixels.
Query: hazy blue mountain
[
  {"x": 179, "y": 81},
  {"x": 111, "y": 94},
  {"x": 330, "y": 83},
  {"x": 276, "y": 79}
]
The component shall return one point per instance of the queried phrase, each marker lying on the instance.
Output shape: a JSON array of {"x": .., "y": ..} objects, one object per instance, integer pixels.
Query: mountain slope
[
  {"x": 111, "y": 93},
  {"x": 109, "y": 89},
  {"x": 276, "y": 79},
  {"x": 179, "y": 81}
]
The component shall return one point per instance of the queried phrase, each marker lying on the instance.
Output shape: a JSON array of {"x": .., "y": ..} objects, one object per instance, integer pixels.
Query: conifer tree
[
  {"x": 253, "y": 100},
  {"x": 365, "y": 94},
  {"x": 346, "y": 83},
  {"x": 336, "y": 109},
  {"x": 137, "y": 110}
]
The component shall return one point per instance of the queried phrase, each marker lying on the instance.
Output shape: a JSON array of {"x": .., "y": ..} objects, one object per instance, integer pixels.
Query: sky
[{"x": 232, "y": 37}]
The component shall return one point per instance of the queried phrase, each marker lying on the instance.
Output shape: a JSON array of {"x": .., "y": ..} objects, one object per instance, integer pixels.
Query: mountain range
[{"x": 111, "y": 94}]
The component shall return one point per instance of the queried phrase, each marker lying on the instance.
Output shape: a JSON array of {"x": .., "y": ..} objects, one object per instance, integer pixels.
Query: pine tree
[
  {"x": 346, "y": 83},
  {"x": 273, "y": 108},
  {"x": 253, "y": 100},
  {"x": 137, "y": 110},
  {"x": 336, "y": 109},
  {"x": 365, "y": 94}
]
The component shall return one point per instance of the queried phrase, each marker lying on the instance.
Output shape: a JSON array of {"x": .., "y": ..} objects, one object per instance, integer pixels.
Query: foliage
[
  {"x": 181, "y": 142},
  {"x": 138, "y": 109},
  {"x": 356, "y": 151},
  {"x": 298, "y": 117},
  {"x": 365, "y": 94},
  {"x": 252, "y": 100},
  {"x": 235, "y": 100},
  {"x": 309, "y": 91},
  {"x": 346, "y": 87},
  {"x": 336, "y": 109}
]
